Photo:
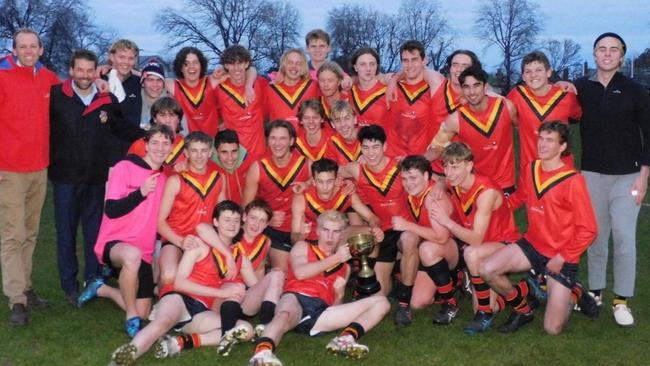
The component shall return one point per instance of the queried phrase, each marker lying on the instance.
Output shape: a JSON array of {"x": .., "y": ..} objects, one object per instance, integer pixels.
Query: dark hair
[
  {"x": 535, "y": 56},
  {"x": 181, "y": 56},
  {"x": 475, "y": 72},
  {"x": 161, "y": 129},
  {"x": 26, "y": 31},
  {"x": 261, "y": 205},
  {"x": 313, "y": 104},
  {"x": 226, "y": 205},
  {"x": 235, "y": 54},
  {"x": 197, "y": 136},
  {"x": 561, "y": 129},
  {"x": 279, "y": 123},
  {"x": 475, "y": 61},
  {"x": 364, "y": 51},
  {"x": 83, "y": 55},
  {"x": 315, "y": 34},
  {"x": 167, "y": 104},
  {"x": 412, "y": 45},
  {"x": 324, "y": 165},
  {"x": 418, "y": 162},
  {"x": 372, "y": 132},
  {"x": 226, "y": 136}
]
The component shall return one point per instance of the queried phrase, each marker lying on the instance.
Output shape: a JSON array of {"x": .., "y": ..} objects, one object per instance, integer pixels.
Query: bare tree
[
  {"x": 512, "y": 26},
  {"x": 355, "y": 26},
  {"x": 561, "y": 54},
  {"x": 214, "y": 25},
  {"x": 63, "y": 25},
  {"x": 279, "y": 32},
  {"x": 423, "y": 21}
]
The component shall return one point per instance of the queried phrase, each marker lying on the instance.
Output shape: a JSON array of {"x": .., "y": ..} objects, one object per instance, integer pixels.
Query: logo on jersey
[
  {"x": 484, "y": 128},
  {"x": 541, "y": 187}
]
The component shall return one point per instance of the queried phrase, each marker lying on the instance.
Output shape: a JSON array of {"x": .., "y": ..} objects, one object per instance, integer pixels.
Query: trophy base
[{"x": 366, "y": 286}]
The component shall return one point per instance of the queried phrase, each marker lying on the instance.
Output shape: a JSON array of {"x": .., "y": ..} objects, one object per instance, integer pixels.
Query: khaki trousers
[{"x": 21, "y": 201}]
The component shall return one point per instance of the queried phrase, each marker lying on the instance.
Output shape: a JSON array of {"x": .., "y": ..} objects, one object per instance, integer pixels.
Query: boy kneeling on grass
[
  {"x": 199, "y": 286},
  {"x": 133, "y": 194},
  {"x": 312, "y": 297}
]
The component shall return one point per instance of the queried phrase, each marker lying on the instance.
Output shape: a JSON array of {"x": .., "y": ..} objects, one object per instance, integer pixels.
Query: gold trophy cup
[{"x": 361, "y": 245}]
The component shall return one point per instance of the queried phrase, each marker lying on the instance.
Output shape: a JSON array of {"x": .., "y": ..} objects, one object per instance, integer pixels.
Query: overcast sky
[{"x": 580, "y": 20}]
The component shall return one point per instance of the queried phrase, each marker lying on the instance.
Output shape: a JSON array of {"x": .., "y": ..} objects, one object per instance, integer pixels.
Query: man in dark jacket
[
  {"x": 615, "y": 131},
  {"x": 82, "y": 123}
]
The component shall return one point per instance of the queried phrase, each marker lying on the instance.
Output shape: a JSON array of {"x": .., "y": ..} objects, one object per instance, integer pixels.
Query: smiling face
[
  {"x": 237, "y": 72},
  {"x": 228, "y": 153},
  {"x": 474, "y": 91},
  {"x": 311, "y": 121},
  {"x": 255, "y": 221},
  {"x": 345, "y": 124},
  {"x": 609, "y": 54},
  {"x": 414, "y": 181},
  {"x": 153, "y": 86},
  {"x": 83, "y": 74},
  {"x": 373, "y": 152},
  {"x": 280, "y": 142},
  {"x": 197, "y": 154},
  {"x": 123, "y": 60},
  {"x": 413, "y": 65},
  {"x": 459, "y": 63},
  {"x": 27, "y": 49},
  {"x": 457, "y": 173},
  {"x": 191, "y": 68},
  {"x": 536, "y": 76},
  {"x": 549, "y": 146},
  {"x": 228, "y": 224},
  {"x": 158, "y": 148},
  {"x": 317, "y": 50},
  {"x": 294, "y": 67}
]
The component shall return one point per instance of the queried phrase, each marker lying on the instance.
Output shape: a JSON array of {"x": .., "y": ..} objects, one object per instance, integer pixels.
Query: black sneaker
[
  {"x": 446, "y": 315},
  {"x": 515, "y": 321},
  {"x": 18, "y": 315},
  {"x": 482, "y": 322},
  {"x": 34, "y": 301},
  {"x": 403, "y": 315},
  {"x": 588, "y": 305}
]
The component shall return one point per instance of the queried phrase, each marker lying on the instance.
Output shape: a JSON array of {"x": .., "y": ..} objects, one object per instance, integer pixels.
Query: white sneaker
[
  {"x": 167, "y": 346},
  {"x": 347, "y": 346},
  {"x": 623, "y": 315},
  {"x": 264, "y": 358},
  {"x": 236, "y": 335}
]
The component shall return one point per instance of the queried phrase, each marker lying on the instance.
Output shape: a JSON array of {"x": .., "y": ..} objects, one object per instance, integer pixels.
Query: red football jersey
[
  {"x": 489, "y": 135},
  {"x": 199, "y": 105},
  {"x": 246, "y": 120},
  {"x": 560, "y": 216},
  {"x": 533, "y": 110}
]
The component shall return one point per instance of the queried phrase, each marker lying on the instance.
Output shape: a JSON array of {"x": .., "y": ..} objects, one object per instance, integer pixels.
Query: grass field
[{"x": 62, "y": 335}]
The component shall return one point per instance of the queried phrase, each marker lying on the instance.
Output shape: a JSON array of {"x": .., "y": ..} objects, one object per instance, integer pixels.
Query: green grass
[{"x": 62, "y": 335}]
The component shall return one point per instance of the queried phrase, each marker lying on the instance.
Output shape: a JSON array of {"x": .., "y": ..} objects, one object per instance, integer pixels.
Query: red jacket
[{"x": 24, "y": 116}]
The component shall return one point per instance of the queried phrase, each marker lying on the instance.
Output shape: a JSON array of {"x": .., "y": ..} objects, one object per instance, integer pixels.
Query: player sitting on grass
[
  {"x": 312, "y": 301},
  {"x": 262, "y": 296},
  {"x": 185, "y": 305}
]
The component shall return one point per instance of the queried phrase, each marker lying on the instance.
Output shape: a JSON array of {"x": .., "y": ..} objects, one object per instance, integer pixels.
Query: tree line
[{"x": 267, "y": 28}]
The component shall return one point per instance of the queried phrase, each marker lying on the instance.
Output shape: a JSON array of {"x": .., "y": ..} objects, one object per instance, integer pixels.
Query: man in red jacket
[{"x": 24, "y": 101}]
